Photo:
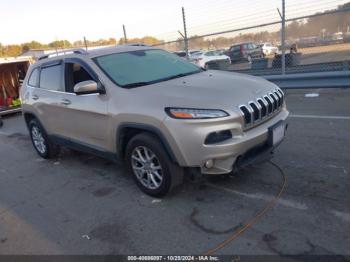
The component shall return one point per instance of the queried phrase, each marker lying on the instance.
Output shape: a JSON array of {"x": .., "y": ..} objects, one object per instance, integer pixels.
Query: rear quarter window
[{"x": 34, "y": 78}]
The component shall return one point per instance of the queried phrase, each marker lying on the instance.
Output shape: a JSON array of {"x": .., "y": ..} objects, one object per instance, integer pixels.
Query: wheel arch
[
  {"x": 127, "y": 131},
  {"x": 28, "y": 116}
]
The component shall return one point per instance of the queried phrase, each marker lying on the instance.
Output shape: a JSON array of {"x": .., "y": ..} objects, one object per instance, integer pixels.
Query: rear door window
[{"x": 51, "y": 78}]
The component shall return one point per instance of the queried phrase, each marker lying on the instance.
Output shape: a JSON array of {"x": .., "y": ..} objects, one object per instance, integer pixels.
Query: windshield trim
[{"x": 145, "y": 83}]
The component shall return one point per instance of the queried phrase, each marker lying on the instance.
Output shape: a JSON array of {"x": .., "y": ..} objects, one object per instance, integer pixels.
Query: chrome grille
[
  {"x": 263, "y": 106},
  {"x": 270, "y": 105},
  {"x": 255, "y": 112}
]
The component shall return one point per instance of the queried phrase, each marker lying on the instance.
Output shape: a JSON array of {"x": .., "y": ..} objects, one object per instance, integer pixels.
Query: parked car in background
[
  {"x": 205, "y": 59},
  {"x": 346, "y": 37},
  {"x": 244, "y": 52},
  {"x": 182, "y": 53},
  {"x": 268, "y": 49},
  {"x": 222, "y": 51},
  {"x": 337, "y": 37},
  {"x": 310, "y": 41}
]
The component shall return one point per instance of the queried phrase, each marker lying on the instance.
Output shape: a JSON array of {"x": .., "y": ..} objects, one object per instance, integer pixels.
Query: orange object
[{"x": 181, "y": 115}]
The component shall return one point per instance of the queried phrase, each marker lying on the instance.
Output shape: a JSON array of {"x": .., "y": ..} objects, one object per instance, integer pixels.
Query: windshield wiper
[
  {"x": 175, "y": 76},
  {"x": 179, "y": 75},
  {"x": 137, "y": 84}
]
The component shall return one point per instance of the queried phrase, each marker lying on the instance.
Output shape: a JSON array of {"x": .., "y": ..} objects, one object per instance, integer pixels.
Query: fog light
[
  {"x": 209, "y": 163},
  {"x": 217, "y": 137}
]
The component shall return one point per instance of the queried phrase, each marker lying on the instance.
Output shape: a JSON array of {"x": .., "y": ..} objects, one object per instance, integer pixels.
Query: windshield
[
  {"x": 138, "y": 68},
  {"x": 197, "y": 54},
  {"x": 213, "y": 53}
]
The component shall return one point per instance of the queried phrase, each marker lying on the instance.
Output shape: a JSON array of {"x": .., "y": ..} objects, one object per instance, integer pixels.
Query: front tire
[
  {"x": 41, "y": 142},
  {"x": 152, "y": 169}
]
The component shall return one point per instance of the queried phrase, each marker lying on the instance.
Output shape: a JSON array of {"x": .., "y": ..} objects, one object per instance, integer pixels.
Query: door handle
[
  {"x": 35, "y": 97},
  {"x": 66, "y": 102}
]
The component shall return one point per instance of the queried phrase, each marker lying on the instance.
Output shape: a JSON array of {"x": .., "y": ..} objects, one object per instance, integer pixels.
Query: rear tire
[
  {"x": 152, "y": 169},
  {"x": 41, "y": 142}
]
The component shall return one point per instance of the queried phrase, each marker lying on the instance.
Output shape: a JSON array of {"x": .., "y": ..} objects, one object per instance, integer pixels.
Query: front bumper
[{"x": 243, "y": 148}]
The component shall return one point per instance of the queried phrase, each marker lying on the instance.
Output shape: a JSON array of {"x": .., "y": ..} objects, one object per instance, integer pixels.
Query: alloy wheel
[
  {"x": 146, "y": 167},
  {"x": 38, "y": 140}
]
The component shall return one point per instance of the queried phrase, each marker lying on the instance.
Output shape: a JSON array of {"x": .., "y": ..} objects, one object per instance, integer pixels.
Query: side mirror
[{"x": 88, "y": 87}]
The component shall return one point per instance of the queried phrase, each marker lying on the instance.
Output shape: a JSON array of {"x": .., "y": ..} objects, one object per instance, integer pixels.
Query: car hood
[
  {"x": 217, "y": 57},
  {"x": 208, "y": 89}
]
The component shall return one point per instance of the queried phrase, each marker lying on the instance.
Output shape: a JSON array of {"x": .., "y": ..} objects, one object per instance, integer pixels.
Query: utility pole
[
  {"x": 125, "y": 39},
  {"x": 185, "y": 32},
  {"x": 283, "y": 37}
]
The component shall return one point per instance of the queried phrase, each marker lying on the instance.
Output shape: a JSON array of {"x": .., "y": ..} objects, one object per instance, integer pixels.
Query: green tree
[
  {"x": 31, "y": 45},
  {"x": 12, "y": 50},
  {"x": 78, "y": 43},
  {"x": 60, "y": 44}
]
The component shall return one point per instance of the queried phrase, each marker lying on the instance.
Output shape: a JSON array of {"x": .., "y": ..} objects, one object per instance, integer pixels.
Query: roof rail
[
  {"x": 136, "y": 44},
  {"x": 65, "y": 52}
]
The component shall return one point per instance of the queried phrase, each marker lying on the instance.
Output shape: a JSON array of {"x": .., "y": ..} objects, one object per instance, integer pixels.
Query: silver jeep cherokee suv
[{"x": 158, "y": 112}]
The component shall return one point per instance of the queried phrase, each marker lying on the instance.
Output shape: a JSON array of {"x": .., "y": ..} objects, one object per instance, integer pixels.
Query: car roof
[
  {"x": 92, "y": 53},
  {"x": 118, "y": 49},
  {"x": 243, "y": 43}
]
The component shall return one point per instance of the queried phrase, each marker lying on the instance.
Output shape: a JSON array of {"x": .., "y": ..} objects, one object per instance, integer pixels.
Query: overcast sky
[{"x": 44, "y": 20}]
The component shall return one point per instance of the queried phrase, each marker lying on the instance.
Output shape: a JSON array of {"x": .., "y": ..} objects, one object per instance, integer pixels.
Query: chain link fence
[{"x": 283, "y": 41}]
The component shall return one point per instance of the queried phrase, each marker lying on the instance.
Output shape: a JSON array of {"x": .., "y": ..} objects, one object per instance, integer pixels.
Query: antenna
[
  {"x": 85, "y": 43},
  {"x": 56, "y": 45},
  {"x": 125, "y": 38}
]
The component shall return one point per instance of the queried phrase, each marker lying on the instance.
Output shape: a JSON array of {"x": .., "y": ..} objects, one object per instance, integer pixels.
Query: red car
[{"x": 244, "y": 52}]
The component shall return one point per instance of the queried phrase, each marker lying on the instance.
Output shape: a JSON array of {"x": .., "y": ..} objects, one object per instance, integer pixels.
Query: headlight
[{"x": 192, "y": 113}]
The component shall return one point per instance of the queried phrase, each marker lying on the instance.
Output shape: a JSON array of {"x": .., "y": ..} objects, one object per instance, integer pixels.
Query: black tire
[
  {"x": 172, "y": 174},
  {"x": 51, "y": 150}
]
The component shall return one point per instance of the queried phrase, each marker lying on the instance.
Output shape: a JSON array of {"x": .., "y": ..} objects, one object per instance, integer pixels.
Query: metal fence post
[
  {"x": 85, "y": 43},
  {"x": 125, "y": 38},
  {"x": 283, "y": 37},
  {"x": 185, "y": 32}
]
